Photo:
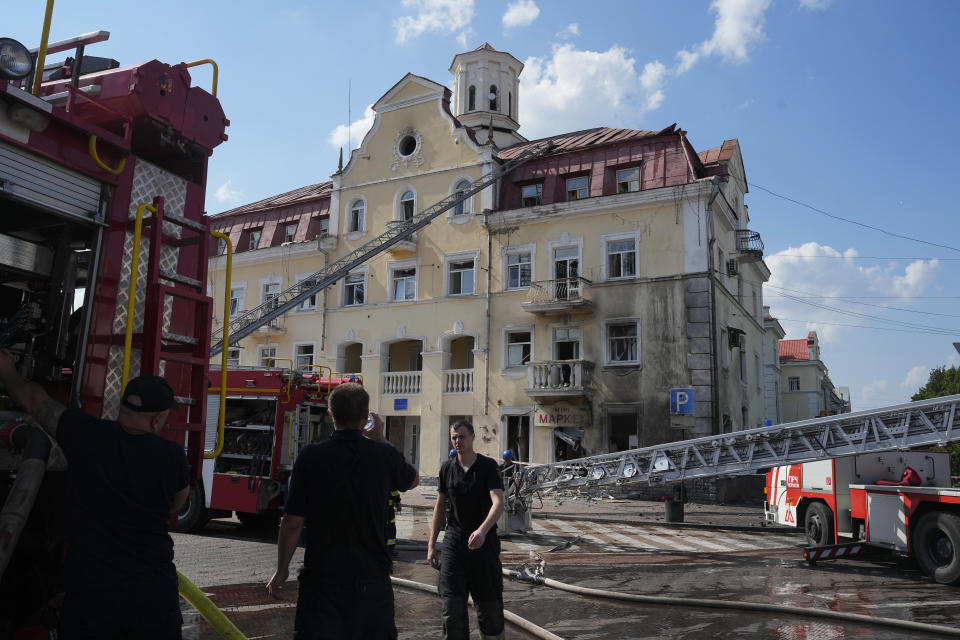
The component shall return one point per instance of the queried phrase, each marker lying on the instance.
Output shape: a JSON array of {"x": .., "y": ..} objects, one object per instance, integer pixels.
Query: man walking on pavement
[
  {"x": 124, "y": 482},
  {"x": 470, "y": 501},
  {"x": 340, "y": 489}
]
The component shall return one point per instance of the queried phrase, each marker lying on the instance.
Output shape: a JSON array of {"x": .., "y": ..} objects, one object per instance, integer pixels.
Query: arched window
[
  {"x": 464, "y": 207},
  {"x": 357, "y": 210},
  {"x": 472, "y": 98},
  {"x": 493, "y": 97},
  {"x": 406, "y": 205}
]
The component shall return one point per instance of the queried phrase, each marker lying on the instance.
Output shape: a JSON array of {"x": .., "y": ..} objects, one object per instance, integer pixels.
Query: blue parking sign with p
[{"x": 681, "y": 401}]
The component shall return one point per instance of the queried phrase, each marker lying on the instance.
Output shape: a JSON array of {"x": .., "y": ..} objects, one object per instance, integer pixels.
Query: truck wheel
[
  {"x": 936, "y": 545},
  {"x": 193, "y": 514},
  {"x": 818, "y": 524}
]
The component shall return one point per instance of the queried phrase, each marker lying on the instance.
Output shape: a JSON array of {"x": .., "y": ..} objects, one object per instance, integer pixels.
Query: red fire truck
[
  {"x": 897, "y": 501},
  {"x": 103, "y": 257},
  {"x": 268, "y": 415}
]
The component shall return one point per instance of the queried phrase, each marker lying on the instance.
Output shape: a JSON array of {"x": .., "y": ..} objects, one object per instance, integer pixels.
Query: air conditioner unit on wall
[{"x": 733, "y": 267}]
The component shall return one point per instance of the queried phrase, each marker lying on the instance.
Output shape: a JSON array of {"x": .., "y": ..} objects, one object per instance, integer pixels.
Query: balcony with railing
[
  {"x": 458, "y": 381},
  {"x": 407, "y": 246},
  {"x": 401, "y": 383},
  {"x": 749, "y": 245},
  {"x": 558, "y": 378},
  {"x": 558, "y": 297}
]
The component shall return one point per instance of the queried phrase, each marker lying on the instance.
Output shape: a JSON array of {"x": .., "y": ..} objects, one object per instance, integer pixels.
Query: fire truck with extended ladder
[
  {"x": 845, "y": 477},
  {"x": 103, "y": 262}
]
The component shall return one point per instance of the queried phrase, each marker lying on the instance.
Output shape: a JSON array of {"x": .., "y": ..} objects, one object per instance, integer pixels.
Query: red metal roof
[
  {"x": 793, "y": 350},
  {"x": 723, "y": 153},
  {"x": 581, "y": 140},
  {"x": 303, "y": 194}
]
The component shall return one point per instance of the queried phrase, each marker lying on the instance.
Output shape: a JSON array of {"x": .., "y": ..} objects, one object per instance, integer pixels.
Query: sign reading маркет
[{"x": 561, "y": 416}]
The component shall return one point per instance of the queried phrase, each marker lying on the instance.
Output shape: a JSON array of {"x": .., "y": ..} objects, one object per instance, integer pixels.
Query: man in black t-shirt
[
  {"x": 340, "y": 488},
  {"x": 124, "y": 482},
  {"x": 470, "y": 501}
]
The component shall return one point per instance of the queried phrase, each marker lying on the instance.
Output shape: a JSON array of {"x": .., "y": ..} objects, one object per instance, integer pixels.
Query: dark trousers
[
  {"x": 354, "y": 609},
  {"x": 115, "y": 616},
  {"x": 477, "y": 573}
]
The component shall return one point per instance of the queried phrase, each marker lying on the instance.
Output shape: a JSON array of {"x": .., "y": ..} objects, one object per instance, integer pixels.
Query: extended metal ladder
[
  {"x": 249, "y": 321},
  {"x": 907, "y": 426}
]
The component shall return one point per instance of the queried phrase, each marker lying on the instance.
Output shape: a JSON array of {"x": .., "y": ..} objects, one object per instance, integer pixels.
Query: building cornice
[{"x": 297, "y": 250}]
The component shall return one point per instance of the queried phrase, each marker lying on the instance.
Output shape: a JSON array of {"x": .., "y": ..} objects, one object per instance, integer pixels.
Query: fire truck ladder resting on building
[
  {"x": 906, "y": 426},
  {"x": 249, "y": 321}
]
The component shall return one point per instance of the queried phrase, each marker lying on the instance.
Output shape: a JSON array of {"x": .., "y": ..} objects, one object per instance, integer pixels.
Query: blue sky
[{"x": 848, "y": 106}]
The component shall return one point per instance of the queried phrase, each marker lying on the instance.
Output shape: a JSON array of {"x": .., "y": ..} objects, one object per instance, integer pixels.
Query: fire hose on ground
[{"x": 525, "y": 575}]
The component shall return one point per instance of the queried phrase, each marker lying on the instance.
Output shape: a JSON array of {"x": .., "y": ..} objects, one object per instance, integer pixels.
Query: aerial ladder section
[
  {"x": 249, "y": 321},
  {"x": 924, "y": 423}
]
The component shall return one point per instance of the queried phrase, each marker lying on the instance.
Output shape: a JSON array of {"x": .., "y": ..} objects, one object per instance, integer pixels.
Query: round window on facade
[{"x": 408, "y": 144}]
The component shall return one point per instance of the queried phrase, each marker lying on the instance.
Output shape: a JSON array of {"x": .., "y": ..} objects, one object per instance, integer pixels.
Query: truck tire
[
  {"x": 936, "y": 546},
  {"x": 193, "y": 514},
  {"x": 818, "y": 524}
]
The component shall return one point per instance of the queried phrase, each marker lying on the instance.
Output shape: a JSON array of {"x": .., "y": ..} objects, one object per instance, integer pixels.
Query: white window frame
[
  {"x": 532, "y": 184},
  {"x": 393, "y": 267},
  {"x": 235, "y": 361},
  {"x": 564, "y": 243},
  {"x": 466, "y": 207},
  {"x": 293, "y": 353},
  {"x": 260, "y": 357},
  {"x": 287, "y": 236},
  {"x": 608, "y": 361},
  {"x": 605, "y": 240},
  {"x": 241, "y": 299},
  {"x": 742, "y": 356},
  {"x": 269, "y": 281},
  {"x": 617, "y": 181},
  {"x": 349, "y": 217},
  {"x": 461, "y": 257},
  {"x": 306, "y": 305},
  {"x": 506, "y": 252},
  {"x": 566, "y": 185},
  {"x": 253, "y": 239},
  {"x": 508, "y": 412},
  {"x": 790, "y": 380},
  {"x": 365, "y": 272},
  {"x": 397, "y": 206},
  {"x": 505, "y": 339},
  {"x": 552, "y": 336}
]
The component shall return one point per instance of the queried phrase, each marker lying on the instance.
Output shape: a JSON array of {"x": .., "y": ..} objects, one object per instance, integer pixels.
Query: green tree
[{"x": 943, "y": 381}]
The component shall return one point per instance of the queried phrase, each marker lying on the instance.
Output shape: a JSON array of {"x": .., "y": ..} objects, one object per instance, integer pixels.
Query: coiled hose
[
  {"x": 526, "y": 576},
  {"x": 509, "y": 616}
]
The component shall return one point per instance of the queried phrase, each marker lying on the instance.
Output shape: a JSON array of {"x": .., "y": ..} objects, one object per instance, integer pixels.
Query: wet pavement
[{"x": 720, "y": 553}]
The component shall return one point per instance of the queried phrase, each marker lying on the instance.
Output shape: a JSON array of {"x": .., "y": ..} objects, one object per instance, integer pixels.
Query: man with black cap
[{"x": 124, "y": 482}]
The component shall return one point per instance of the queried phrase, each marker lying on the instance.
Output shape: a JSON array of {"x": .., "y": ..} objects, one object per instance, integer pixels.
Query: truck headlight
[{"x": 16, "y": 63}]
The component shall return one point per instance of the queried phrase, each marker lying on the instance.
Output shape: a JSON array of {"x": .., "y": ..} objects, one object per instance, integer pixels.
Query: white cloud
[
  {"x": 916, "y": 378},
  {"x": 520, "y": 13},
  {"x": 874, "y": 394},
  {"x": 225, "y": 193},
  {"x": 746, "y": 104},
  {"x": 357, "y": 129},
  {"x": 569, "y": 31},
  {"x": 796, "y": 275},
  {"x": 815, "y": 5},
  {"x": 738, "y": 26},
  {"x": 574, "y": 89},
  {"x": 433, "y": 15}
]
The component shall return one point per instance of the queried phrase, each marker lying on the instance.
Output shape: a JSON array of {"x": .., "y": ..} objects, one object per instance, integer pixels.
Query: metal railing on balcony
[
  {"x": 398, "y": 383},
  {"x": 558, "y": 377},
  {"x": 749, "y": 244},
  {"x": 562, "y": 294},
  {"x": 458, "y": 381}
]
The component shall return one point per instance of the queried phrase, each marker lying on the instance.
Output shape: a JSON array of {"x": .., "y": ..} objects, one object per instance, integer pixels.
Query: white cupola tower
[{"x": 486, "y": 88}]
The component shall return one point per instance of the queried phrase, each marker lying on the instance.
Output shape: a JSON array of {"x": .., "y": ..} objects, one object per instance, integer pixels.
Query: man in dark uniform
[
  {"x": 393, "y": 508},
  {"x": 340, "y": 488},
  {"x": 124, "y": 483},
  {"x": 470, "y": 501}
]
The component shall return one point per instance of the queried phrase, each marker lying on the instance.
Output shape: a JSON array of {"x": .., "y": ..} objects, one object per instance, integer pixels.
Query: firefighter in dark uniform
[{"x": 469, "y": 502}]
